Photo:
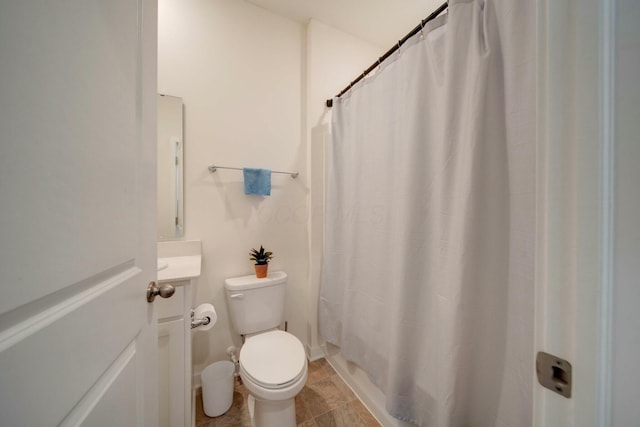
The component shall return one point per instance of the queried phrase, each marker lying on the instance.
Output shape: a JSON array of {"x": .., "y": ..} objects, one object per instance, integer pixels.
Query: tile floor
[{"x": 325, "y": 401}]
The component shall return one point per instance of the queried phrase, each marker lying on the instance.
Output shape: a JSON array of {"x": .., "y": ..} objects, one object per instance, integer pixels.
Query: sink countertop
[
  {"x": 180, "y": 268},
  {"x": 184, "y": 259}
]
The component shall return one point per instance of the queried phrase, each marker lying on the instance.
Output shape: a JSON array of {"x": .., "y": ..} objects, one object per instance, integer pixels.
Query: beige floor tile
[
  {"x": 364, "y": 414},
  {"x": 328, "y": 368},
  {"x": 237, "y": 415},
  {"x": 240, "y": 388},
  {"x": 345, "y": 389},
  {"x": 322, "y": 396},
  {"x": 302, "y": 412},
  {"x": 342, "y": 416},
  {"x": 309, "y": 423},
  {"x": 318, "y": 370},
  {"x": 326, "y": 401}
]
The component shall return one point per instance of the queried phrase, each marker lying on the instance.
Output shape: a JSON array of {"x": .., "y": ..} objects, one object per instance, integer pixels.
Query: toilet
[{"x": 273, "y": 363}]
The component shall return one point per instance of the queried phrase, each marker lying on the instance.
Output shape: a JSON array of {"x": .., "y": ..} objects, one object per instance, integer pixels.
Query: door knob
[{"x": 165, "y": 291}]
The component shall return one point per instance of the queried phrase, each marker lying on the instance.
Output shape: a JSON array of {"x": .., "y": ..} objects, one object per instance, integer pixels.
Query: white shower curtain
[{"x": 417, "y": 262}]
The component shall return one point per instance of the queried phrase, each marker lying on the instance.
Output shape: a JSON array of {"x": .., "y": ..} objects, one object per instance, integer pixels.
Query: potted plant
[{"x": 261, "y": 258}]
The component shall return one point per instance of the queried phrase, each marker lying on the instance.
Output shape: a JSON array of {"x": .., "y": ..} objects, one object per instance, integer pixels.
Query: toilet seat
[{"x": 273, "y": 360}]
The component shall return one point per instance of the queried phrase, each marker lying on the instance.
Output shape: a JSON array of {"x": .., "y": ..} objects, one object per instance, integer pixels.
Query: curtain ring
[{"x": 421, "y": 29}]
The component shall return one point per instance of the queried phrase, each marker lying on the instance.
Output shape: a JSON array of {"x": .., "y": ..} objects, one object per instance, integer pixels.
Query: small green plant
[{"x": 261, "y": 257}]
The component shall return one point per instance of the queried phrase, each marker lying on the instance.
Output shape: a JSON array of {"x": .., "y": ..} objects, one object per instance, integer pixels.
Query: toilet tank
[{"x": 256, "y": 304}]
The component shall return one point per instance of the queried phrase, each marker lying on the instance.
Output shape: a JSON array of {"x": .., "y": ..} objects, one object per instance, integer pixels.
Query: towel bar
[{"x": 213, "y": 168}]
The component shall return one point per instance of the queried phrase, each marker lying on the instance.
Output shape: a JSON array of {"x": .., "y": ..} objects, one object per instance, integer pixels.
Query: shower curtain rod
[{"x": 418, "y": 28}]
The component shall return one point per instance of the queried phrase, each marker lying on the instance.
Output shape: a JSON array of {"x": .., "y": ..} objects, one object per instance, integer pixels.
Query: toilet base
[{"x": 272, "y": 413}]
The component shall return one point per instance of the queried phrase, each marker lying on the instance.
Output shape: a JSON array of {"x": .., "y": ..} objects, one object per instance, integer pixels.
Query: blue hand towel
[{"x": 257, "y": 181}]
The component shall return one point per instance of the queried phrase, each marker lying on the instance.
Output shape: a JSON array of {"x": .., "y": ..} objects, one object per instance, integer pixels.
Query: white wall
[
  {"x": 238, "y": 69},
  {"x": 253, "y": 85}
]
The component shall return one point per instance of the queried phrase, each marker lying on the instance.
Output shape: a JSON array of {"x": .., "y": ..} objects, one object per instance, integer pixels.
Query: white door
[
  {"x": 589, "y": 209},
  {"x": 77, "y": 213}
]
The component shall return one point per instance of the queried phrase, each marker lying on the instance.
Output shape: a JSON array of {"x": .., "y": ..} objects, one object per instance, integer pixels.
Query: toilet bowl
[
  {"x": 273, "y": 363},
  {"x": 273, "y": 368}
]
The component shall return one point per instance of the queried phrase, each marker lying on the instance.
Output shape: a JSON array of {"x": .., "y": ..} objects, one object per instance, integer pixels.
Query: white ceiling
[{"x": 381, "y": 22}]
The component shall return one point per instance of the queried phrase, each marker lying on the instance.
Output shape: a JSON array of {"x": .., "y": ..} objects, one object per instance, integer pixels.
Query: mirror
[{"x": 170, "y": 168}]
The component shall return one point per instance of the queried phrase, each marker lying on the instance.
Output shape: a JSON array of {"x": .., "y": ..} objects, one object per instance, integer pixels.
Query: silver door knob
[{"x": 165, "y": 291}]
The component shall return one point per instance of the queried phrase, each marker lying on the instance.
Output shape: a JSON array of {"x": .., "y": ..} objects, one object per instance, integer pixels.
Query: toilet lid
[{"x": 273, "y": 359}]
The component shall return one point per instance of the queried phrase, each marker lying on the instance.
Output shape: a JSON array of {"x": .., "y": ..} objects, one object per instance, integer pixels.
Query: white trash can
[{"x": 217, "y": 388}]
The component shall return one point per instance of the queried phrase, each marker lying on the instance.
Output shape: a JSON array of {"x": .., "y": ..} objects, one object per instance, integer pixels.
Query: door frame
[{"x": 575, "y": 205}]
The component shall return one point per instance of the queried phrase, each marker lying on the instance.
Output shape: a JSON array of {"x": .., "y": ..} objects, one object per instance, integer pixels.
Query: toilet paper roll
[{"x": 206, "y": 310}]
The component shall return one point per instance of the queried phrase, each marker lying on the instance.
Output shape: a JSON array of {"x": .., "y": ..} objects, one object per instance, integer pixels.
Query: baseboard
[{"x": 315, "y": 353}]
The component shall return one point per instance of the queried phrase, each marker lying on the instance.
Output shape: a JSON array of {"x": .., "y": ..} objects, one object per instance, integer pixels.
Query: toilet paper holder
[{"x": 199, "y": 322}]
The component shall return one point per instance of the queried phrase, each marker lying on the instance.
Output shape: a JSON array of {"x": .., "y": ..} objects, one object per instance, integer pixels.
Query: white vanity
[{"x": 179, "y": 264}]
